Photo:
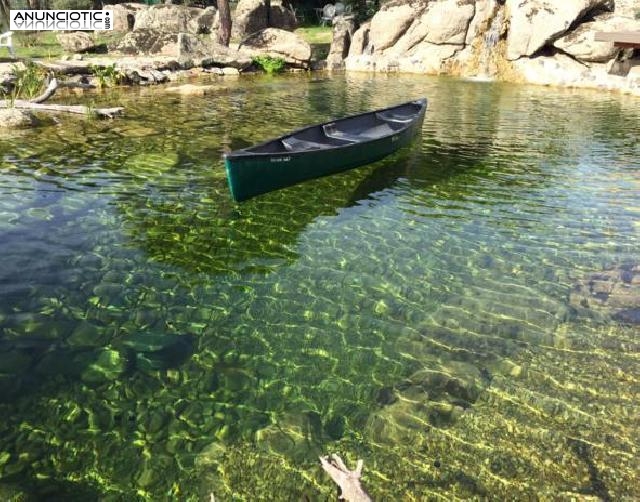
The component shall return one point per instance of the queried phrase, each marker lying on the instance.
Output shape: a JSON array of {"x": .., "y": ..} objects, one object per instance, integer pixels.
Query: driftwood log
[
  {"x": 348, "y": 481},
  {"x": 37, "y": 104}
]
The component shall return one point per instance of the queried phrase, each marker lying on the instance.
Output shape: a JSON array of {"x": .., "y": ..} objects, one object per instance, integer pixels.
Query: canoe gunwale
[
  {"x": 322, "y": 149},
  {"x": 246, "y": 152}
]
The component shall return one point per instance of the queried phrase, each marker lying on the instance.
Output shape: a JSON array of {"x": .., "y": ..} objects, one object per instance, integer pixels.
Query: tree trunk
[
  {"x": 5, "y": 7},
  {"x": 224, "y": 31}
]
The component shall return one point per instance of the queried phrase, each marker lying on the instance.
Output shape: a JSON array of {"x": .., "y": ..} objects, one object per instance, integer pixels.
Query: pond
[{"x": 463, "y": 315}]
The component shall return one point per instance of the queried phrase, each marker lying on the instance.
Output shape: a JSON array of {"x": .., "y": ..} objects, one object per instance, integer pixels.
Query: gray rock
[
  {"x": 250, "y": 16},
  {"x": 536, "y": 23},
  {"x": 580, "y": 42},
  {"x": 149, "y": 42},
  {"x": 14, "y": 118},
  {"x": 169, "y": 18},
  {"x": 390, "y": 23},
  {"x": 124, "y": 15},
  {"x": 230, "y": 71},
  {"x": 447, "y": 21},
  {"x": 360, "y": 40},
  {"x": 279, "y": 43},
  {"x": 343, "y": 31},
  {"x": 282, "y": 16},
  {"x": 76, "y": 41}
]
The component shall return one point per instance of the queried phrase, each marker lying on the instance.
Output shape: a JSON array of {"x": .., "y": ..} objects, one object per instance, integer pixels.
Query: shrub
[
  {"x": 269, "y": 64},
  {"x": 107, "y": 76},
  {"x": 28, "y": 81}
]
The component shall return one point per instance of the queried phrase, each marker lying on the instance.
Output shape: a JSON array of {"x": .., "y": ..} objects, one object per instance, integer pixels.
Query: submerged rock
[
  {"x": 628, "y": 316},
  {"x": 613, "y": 293},
  {"x": 151, "y": 352},
  {"x": 108, "y": 365},
  {"x": 14, "y": 118}
]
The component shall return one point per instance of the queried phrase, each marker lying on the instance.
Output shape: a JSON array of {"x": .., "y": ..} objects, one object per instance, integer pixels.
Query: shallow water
[{"x": 159, "y": 341}]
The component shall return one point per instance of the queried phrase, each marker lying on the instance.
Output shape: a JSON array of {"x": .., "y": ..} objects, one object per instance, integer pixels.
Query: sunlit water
[{"x": 159, "y": 341}]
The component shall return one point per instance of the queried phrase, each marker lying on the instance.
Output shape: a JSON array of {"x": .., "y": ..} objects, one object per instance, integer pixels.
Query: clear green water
[{"x": 158, "y": 341}]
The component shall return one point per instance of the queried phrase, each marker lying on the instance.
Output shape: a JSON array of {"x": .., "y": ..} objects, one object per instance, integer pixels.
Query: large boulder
[
  {"x": 447, "y": 21},
  {"x": 279, "y": 43},
  {"x": 76, "y": 41},
  {"x": 250, "y": 16},
  {"x": 124, "y": 15},
  {"x": 207, "y": 21},
  {"x": 536, "y": 23},
  {"x": 155, "y": 42},
  {"x": 390, "y": 23},
  {"x": 626, "y": 8},
  {"x": 580, "y": 42},
  {"x": 343, "y": 30},
  {"x": 225, "y": 57},
  {"x": 360, "y": 40},
  {"x": 428, "y": 58},
  {"x": 443, "y": 22},
  {"x": 169, "y": 18},
  {"x": 486, "y": 12},
  {"x": 558, "y": 70},
  {"x": 282, "y": 16}
]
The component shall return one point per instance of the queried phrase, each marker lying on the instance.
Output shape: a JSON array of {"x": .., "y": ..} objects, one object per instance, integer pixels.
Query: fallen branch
[
  {"x": 37, "y": 104},
  {"x": 48, "y": 92},
  {"x": 348, "y": 481},
  {"x": 79, "y": 109}
]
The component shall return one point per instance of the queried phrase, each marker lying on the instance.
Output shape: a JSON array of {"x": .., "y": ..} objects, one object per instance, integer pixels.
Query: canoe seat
[
  {"x": 375, "y": 132},
  {"x": 392, "y": 116},
  {"x": 295, "y": 145}
]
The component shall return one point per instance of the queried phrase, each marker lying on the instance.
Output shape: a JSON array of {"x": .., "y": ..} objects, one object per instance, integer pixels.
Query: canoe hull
[{"x": 250, "y": 175}]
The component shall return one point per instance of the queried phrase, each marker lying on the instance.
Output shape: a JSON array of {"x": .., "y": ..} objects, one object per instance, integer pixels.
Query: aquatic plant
[
  {"x": 107, "y": 76},
  {"x": 269, "y": 64},
  {"x": 29, "y": 80}
]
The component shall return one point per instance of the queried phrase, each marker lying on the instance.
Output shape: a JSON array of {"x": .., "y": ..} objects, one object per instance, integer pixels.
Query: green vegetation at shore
[{"x": 44, "y": 45}]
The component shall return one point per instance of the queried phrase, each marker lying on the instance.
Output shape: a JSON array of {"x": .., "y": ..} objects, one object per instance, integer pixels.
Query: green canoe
[{"x": 322, "y": 149}]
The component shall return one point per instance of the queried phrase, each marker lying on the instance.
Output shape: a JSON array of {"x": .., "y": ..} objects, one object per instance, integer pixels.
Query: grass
[
  {"x": 41, "y": 44},
  {"x": 315, "y": 34},
  {"x": 44, "y": 45},
  {"x": 319, "y": 38}
]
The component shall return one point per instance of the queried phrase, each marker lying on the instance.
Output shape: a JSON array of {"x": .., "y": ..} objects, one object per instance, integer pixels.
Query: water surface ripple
[{"x": 462, "y": 315}]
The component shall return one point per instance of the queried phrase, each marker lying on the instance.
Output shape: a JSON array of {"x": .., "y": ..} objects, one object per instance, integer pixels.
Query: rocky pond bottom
[{"x": 463, "y": 316}]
